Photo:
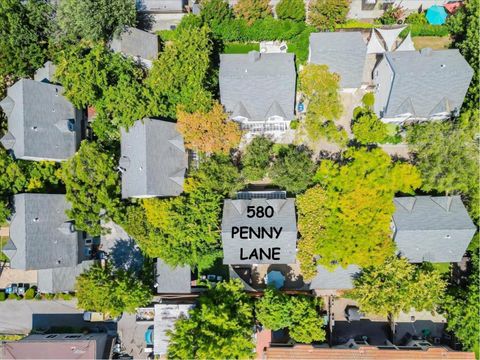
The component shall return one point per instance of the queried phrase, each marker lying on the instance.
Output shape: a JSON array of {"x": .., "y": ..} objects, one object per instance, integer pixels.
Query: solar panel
[{"x": 249, "y": 195}]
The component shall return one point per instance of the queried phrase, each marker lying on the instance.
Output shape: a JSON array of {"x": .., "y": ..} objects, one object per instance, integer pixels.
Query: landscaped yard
[
  {"x": 3, "y": 241},
  {"x": 240, "y": 48},
  {"x": 434, "y": 42}
]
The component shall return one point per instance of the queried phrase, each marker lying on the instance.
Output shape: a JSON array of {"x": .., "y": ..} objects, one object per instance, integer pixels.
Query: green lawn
[{"x": 240, "y": 48}]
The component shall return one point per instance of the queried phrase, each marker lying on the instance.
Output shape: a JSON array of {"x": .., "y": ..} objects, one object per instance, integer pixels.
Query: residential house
[
  {"x": 43, "y": 238},
  {"x": 172, "y": 280},
  {"x": 162, "y": 6},
  {"x": 420, "y": 85},
  {"x": 432, "y": 228},
  {"x": 343, "y": 52},
  {"x": 258, "y": 90},
  {"x": 153, "y": 159},
  {"x": 42, "y": 123},
  {"x": 162, "y": 14},
  {"x": 137, "y": 44},
  {"x": 91, "y": 346}
]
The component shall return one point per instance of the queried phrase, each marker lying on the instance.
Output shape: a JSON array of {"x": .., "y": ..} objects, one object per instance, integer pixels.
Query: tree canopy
[
  {"x": 111, "y": 291},
  {"x": 256, "y": 158},
  {"x": 215, "y": 11},
  {"x": 95, "y": 19},
  {"x": 25, "y": 29},
  {"x": 325, "y": 14},
  {"x": 252, "y": 10},
  {"x": 366, "y": 126},
  {"x": 219, "y": 327},
  {"x": 352, "y": 201},
  {"x": 276, "y": 310},
  {"x": 209, "y": 132},
  {"x": 92, "y": 186},
  {"x": 396, "y": 285},
  {"x": 291, "y": 10}
]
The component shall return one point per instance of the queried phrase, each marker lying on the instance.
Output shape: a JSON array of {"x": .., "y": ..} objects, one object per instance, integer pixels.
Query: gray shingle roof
[
  {"x": 435, "y": 229},
  {"x": 136, "y": 42},
  {"x": 161, "y": 6},
  {"x": 172, "y": 280},
  {"x": 38, "y": 122},
  {"x": 338, "y": 279},
  {"x": 343, "y": 52},
  {"x": 41, "y": 236},
  {"x": 153, "y": 160},
  {"x": 61, "y": 279},
  {"x": 429, "y": 81},
  {"x": 258, "y": 84},
  {"x": 235, "y": 215}
]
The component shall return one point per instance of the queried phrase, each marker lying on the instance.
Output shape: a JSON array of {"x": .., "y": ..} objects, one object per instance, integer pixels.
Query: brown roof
[
  {"x": 303, "y": 352},
  {"x": 38, "y": 349}
]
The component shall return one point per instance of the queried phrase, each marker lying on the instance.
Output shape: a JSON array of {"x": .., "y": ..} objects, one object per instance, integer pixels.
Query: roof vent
[
  {"x": 36, "y": 219},
  {"x": 443, "y": 66},
  {"x": 124, "y": 162},
  {"x": 426, "y": 51},
  {"x": 253, "y": 56}
]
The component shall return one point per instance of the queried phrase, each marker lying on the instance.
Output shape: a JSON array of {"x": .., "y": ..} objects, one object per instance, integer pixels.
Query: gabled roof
[
  {"x": 343, "y": 52},
  {"x": 38, "y": 236},
  {"x": 173, "y": 280},
  {"x": 45, "y": 73},
  {"x": 338, "y": 279},
  {"x": 160, "y": 6},
  {"x": 61, "y": 279},
  {"x": 258, "y": 81},
  {"x": 136, "y": 42},
  {"x": 153, "y": 159},
  {"x": 427, "y": 77},
  {"x": 435, "y": 229},
  {"x": 34, "y": 109},
  {"x": 235, "y": 215}
]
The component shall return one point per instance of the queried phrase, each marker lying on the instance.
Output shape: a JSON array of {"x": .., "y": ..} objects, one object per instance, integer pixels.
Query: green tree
[
  {"x": 367, "y": 127},
  {"x": 92, "y": 187},
  {"x": 95, "y": 19},
  {"x": 109, "y": 82},
  {"x": 42, "y": 176},
  {"x": 276, "y": 310},
  {"x": 446, "y": 153},
  {"x": 293, "y": 168},
  {"x": 291, "y": 9},
  {"x": 464, "y": 26},
  {"x": 396, "y": 285},
  {"x": 252, "y": 10},
  {"x": 462, "y": 306},
  {"x": 181, "y": 74},
  {"x": 111, "y": 291},
  {"x": 25, "y": 29},
  {"x": 256, "y": 158},
  {"x": 353, "y": 201},
  {"x": 219, "y": 327},
  {"x": 215, "y": 11},
  {"x": 325, "y": 14},
  {"x": 12, "y": 181}
]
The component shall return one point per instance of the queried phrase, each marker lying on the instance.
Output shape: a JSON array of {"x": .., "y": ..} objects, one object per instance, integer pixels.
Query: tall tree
[
  {"x": 219, "y": 327},
  {"x": 256, "y": 158},
  {"x": 111, "y": 291},
  {"x": 95, "y": 19},
  {"x": 181, "y": 74},
  {"x": 252, "y": 10},
  {"x": 464, "y": 26},
  {"x": 353, "y": 201},
  {"x": 291, "y": 10},
  {"x": 396, "y": 285},
  {"x": 209, "y": 132},
  {"x": 366, "y": 126},
  {"x": 12, "y": 181},
  {"x": 215, "y": 11},
  {"x": 92, "y": 186},
  {"x": 325, "y": 14},
  {"x": 293, "y": 168},
  {"x": 25, "y": 29}
]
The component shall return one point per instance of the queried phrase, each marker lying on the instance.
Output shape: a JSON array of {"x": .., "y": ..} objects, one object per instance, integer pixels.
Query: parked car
[
  {"x": 11, "y": 289},
  {"x": 22, "y": 288},
  {"x": 93, "y": 316}
]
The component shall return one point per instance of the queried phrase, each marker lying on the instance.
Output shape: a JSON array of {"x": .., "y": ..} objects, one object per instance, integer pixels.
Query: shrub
[
  {"x": 49, "y": 296},
  {"x": 368, "y": 99},
  {"x": 215, "y": 11},
  {"x": 355, "y": 24},
  {"x": 256, "y": 158},
  {"x": 291, "y": 9},
  {"x": 326, "y": 14},
  {"x": 14, "y": 297},
  {"x": 3, "y": 296},
  {"x": 391, "y": 15},
  {"x": 416, "y": 18},
  {"x": 294, "y": 124},
  {"x": 65, "y": 296},
  {"x": 29, "y": 294},
  {"x": 252, "y": 10}
]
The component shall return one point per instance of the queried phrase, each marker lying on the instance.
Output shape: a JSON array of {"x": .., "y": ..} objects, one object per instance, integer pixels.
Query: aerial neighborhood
[{"x": 248, "y": 179}]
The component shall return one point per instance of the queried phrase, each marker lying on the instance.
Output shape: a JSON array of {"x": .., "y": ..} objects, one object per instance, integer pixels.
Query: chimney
[{"x": 253, "y": 56}]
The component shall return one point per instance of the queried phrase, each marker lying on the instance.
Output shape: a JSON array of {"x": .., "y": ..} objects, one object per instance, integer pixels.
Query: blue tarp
[{"x": 436, "y": 15}]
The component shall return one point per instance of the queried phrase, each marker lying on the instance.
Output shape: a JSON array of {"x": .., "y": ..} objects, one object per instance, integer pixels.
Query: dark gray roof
[
  {"x": 172, "y": 280},
  {"x": 38, "y": 122},
  {"x": 343, "y": 52},
  {"x": 41, "y": 236},
  {"x": 153, "y": 160},
  {"x": 338, "y": 279},
  {"x": 235, "y": 215},
  {"x": 435, "y": 229},
  {"x": 259, "y": 85},
  {"x": 46, "y": 73},
  {"x": 136, "y": 42},
  {"x": 161, "y": 6},
  {"x": 427, "y": 82},
  {"x": 61, "y": 279}
]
